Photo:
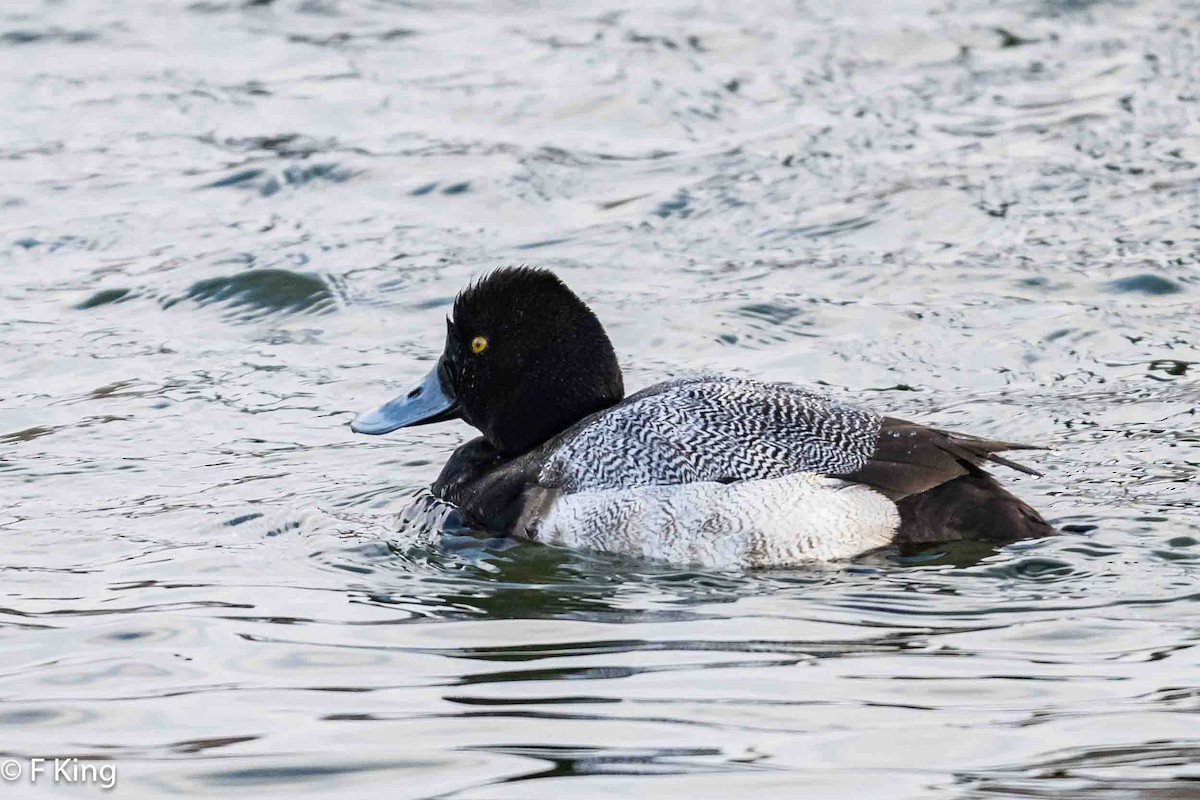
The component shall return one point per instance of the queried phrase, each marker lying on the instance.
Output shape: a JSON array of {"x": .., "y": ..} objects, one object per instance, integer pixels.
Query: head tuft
[{"x": 514, "y": 290}]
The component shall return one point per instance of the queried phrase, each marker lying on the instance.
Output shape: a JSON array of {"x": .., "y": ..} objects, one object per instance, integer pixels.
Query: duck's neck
[{"x": 517, "y": 427}]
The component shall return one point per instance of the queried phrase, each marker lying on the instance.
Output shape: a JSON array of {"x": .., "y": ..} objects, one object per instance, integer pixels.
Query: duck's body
[
  {"x": 714, "y": 471},
  {"x": 725, "y": 472}
]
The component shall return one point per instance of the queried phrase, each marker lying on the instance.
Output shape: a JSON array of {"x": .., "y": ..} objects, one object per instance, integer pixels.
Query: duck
[{"x": 712, "y": 470}]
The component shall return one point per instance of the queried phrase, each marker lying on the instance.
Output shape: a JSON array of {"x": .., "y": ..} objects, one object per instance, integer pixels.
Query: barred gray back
[{"x": 712, "y": 429}]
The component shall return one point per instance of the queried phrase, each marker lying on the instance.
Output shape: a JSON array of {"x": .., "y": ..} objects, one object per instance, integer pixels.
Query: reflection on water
[{"x": 228, "y": 225}]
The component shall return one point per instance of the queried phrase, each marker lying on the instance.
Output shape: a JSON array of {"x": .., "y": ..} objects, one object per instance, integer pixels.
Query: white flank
[{"x": 774, "y": 522}]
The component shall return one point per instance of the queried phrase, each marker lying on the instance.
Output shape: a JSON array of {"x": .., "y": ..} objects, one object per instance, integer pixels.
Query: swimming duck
[{"x": 714, "y": 471}]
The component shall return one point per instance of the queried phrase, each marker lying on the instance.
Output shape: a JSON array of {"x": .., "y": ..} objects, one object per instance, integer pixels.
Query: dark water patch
[
  {"x": 540, "y": 244},
  {"x": 566, "y": 761},
  {"x": 236, "y": 178},
  {"x": 392, "y": 34},
  {"x": 1171, "y": 367},
  {"x": 297, "y": 175},
  {"x": 950, "y": 554},
  {"x": 57, "y": 244},
  {"x": 1177, "y": 555},
  {"x": 203, "y": 745},
  {"x": 256, "y": 293},
  {"x": 318, "y": 8},
  {"x": 611, "y": 204},
  {"x": 1092, "y": 549},
  {"x": 834, "y": 228},
  {"x": 677, "y": 206},
  {"x": 105, "y": 297},
  {"x": 457, "y": 188},
  {"x": 1147, "y": 284},
  {"x": 1009, "y": 39},
  {"x": 1039, "y": 569},
  {"x": 1072, "y": 6},
  {"x": 1154, "y": 770},
  {"x": 224, "y": 6},
  {"x": 332, "y": 39},
  {"x": 300, "y": 775},
  {"x": 241, "y": 259},
  {"x": 601, "y": 672},
  {"x": 28, "y": 434},
  {"x": 284, "y": 145},
  {"x": 267, "y": 182},
  {"x": 343, "y": 39},
  {"x": 289, "y": 527},
  {"x": 774, "y": 313},
  {"x": 252, "y": 88},
  {"x": 209, "y": 7},
  {"x": 764, "y": 324},
  {"x": 531, "y": 701},
  {"x": 476, "y": 586},
  {"x": 434, "y": 302},
  {"x": 608, "y": 647},
  {"x": 28, "y": 716},
  {"x": 115, "y": 389},
  {"x": 22, "y": 37},
  {"x": 1182, "y": 548},
  {"x": 896, "y": 387}
]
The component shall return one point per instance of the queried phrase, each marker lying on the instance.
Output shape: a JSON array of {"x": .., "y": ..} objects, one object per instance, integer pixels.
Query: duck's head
[{"x": 524, "y": 360}]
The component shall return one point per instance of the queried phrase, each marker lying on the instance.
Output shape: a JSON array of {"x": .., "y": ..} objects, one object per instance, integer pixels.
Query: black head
[{"x": 524, "y": 360}]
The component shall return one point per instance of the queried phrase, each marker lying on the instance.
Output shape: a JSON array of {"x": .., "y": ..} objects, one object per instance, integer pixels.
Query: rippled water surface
[{"x": 228, "y": 225}]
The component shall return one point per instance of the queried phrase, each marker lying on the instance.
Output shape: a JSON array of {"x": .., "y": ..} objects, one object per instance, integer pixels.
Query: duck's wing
[
  {"x": 729, "y": 429},
  {"x": 909, "y": 458},
  {"x": 711, "y": 429}
]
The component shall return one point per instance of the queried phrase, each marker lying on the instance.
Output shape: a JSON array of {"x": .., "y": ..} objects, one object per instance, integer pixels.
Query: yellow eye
[{"x": 478, "y": 345}]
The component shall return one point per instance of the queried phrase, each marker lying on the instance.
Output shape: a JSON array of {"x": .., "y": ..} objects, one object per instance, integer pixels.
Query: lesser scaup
[{"x": 716, "y": 471}]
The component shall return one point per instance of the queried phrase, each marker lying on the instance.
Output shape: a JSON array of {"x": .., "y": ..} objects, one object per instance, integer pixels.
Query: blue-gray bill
[{"x": 431, "y": 400}]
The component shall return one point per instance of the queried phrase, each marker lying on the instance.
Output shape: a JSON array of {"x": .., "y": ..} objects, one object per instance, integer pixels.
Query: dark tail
[{"x": 973, "y": 507}]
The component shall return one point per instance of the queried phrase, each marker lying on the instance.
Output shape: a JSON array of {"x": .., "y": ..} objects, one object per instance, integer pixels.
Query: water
[{"x": 227, "y": 226}]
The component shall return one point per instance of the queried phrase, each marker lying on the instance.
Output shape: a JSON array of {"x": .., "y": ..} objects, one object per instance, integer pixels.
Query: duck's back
[{"x": 711, "y": 429}]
